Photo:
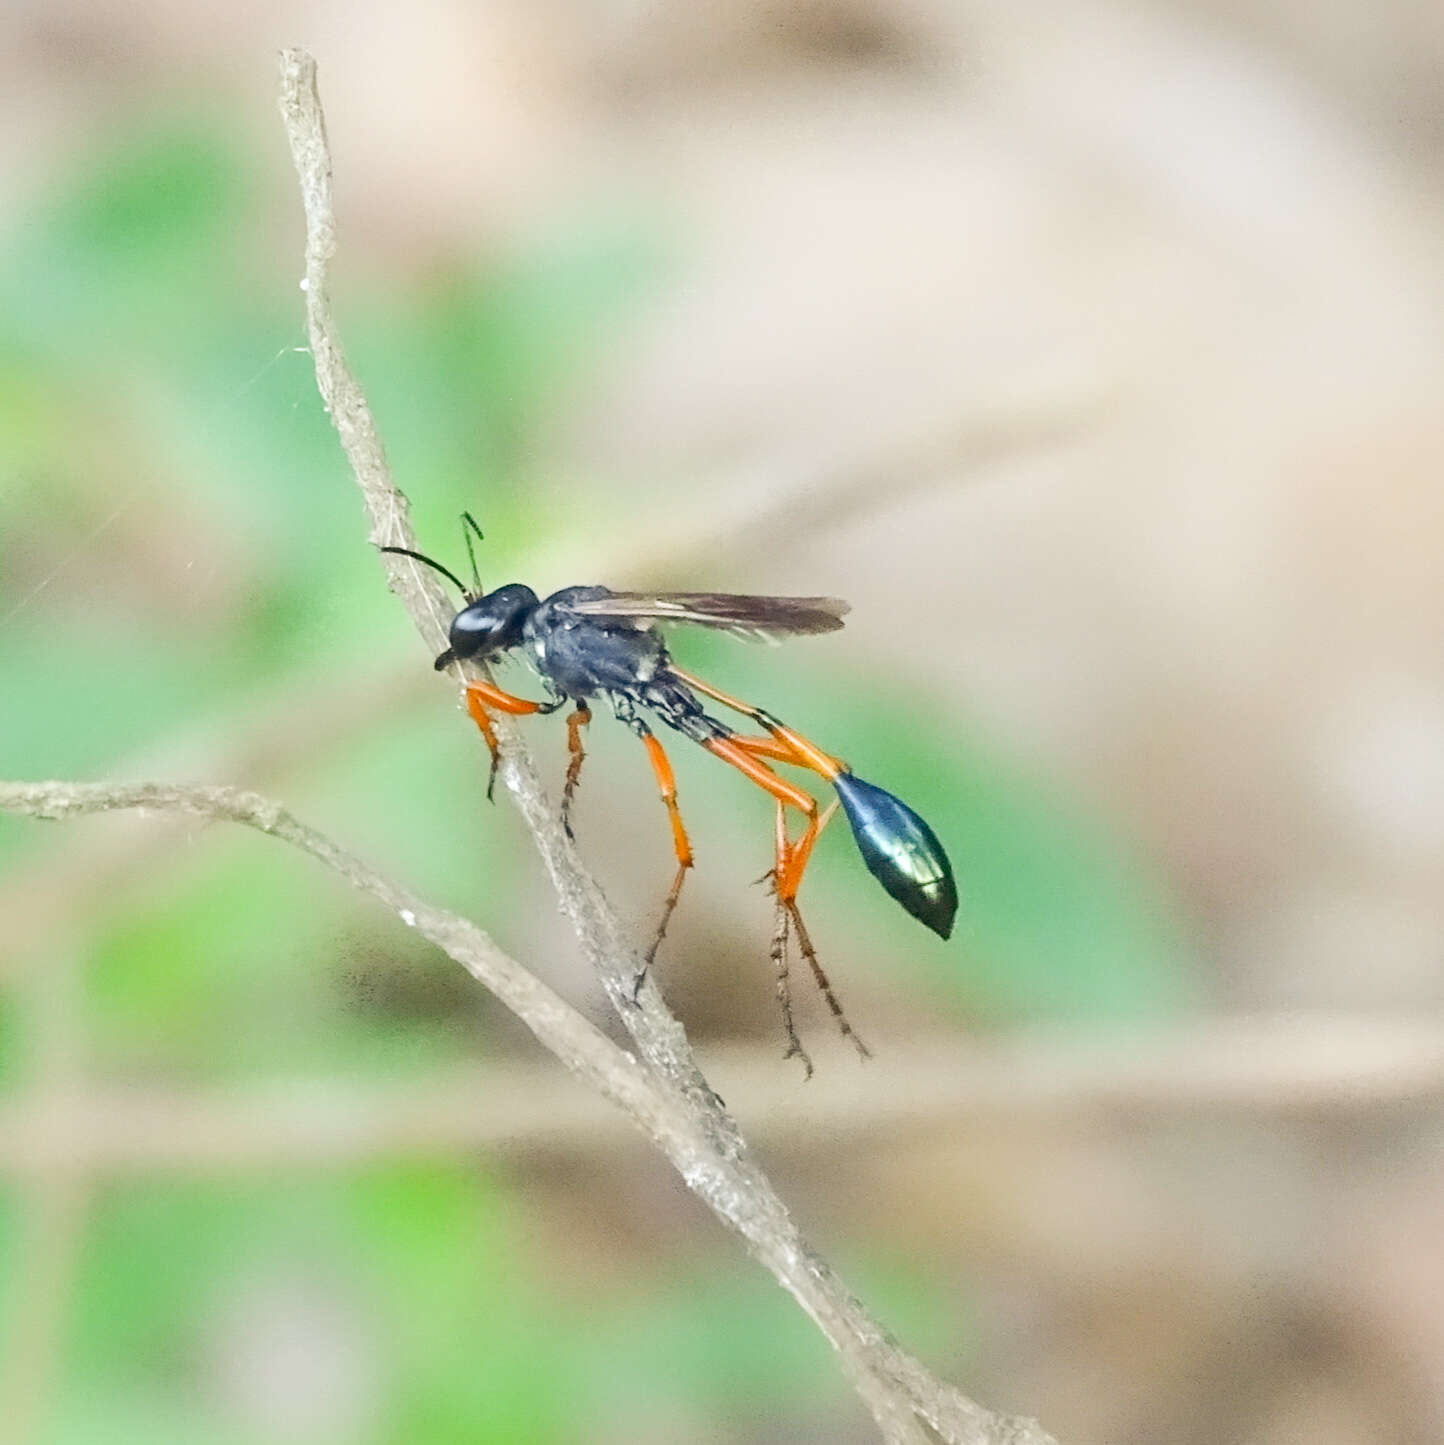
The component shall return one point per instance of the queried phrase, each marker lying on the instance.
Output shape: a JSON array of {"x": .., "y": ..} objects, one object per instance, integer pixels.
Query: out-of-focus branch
[
  {"x": 700, "y": 1139},
  {"x": 577, "y": 1042},
  {"x": 1277, "y": 1068},
  {"x": 797, "y": 496},
  {"x": 896, "y": 1388}
]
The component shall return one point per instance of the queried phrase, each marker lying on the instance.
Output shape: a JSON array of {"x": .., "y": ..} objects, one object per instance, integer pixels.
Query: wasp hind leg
[
  {"x": 901, "y": 851},
  {"x": 789, "y": 865},
  {"x": 784, "y": 987},
  {"x": 790, "y": 913},
  {"x": 804, "y": 942}
]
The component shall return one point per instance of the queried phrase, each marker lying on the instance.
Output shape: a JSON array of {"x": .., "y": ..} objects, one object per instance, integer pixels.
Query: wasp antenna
[
  {"x": 468, "y": 526},
  {"x": 432, "y": 563}
]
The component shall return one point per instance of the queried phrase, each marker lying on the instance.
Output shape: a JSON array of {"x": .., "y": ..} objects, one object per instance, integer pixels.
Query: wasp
[{"x": 588, "y": 643}]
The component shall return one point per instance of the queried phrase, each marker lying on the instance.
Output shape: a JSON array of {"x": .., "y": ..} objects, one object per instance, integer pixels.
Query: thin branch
[
  {"x": 895, "y": 1387},
  {"x": 576, "y": 1041},
  {"x": 267, "y": 734},
  {"x": 799, "y": 495}
]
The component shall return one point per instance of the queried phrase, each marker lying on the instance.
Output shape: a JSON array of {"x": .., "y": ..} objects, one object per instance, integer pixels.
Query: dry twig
[
  {"x": 709, "y": 1152},
  {"x": 684, "y": 1125}
]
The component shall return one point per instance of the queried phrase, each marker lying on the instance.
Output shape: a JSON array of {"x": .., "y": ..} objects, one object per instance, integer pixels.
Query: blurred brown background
[{"x": 1093, "y": 352}]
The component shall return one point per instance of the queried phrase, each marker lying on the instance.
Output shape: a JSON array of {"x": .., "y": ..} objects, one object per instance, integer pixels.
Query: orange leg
[
  {"x": 771, "y": 748},
  {"x": 792, "y": 858},
  {"x": 799, "y": 853},
  {"x": 804, "y": 942},
  {"x": 480, "y": 696},
  {"x": 681, "y": 845},
  {"x": 789, "y": 917},
  {"x": 782, "y": 745},
  {"x": 799, "y": 749},
  {"x": 767, "y": 748},
  {"x": 575, "y": 723},
  {"x": 732, "y": 750},
  {"x": 784, "y": 987},
  {"x": 745, "y": 755},
  {"x": 785, "y": 876}
]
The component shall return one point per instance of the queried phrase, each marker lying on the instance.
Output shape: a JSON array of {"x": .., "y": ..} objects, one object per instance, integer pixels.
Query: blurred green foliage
[
  {"x": 155, "y": 406},
  {"x": 468, "y": 1333}
]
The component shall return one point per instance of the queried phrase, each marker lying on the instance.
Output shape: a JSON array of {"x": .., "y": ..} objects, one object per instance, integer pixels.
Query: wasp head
[{"x": 489, "y": 625}]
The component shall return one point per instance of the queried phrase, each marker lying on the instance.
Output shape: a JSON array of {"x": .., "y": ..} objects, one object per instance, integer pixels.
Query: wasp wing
[{"x": 754, "y": 617}]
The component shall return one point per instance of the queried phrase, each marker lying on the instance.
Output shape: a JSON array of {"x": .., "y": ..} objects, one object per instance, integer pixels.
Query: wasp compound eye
[
  {"x": 901, "y": 852},
  {"x": 490, "y": 624},
  {"x": 469, "y": 635},
  {"x": 472, "y": 629}
]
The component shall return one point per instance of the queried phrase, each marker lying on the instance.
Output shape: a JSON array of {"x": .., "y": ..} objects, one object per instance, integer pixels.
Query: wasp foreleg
[{"x": 483, "y": 695}]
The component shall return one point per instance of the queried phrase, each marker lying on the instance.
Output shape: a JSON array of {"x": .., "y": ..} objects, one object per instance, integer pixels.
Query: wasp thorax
[{"x": 490, "y": 624}]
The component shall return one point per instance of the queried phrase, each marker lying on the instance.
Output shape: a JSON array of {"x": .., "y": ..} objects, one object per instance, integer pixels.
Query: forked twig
[
  {"x": 660, "y": 1088},
  {"x": 896, "y": 1388}
]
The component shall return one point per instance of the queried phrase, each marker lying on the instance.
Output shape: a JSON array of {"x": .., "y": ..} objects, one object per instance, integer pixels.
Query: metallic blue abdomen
[{"x": 901, "y": 852}]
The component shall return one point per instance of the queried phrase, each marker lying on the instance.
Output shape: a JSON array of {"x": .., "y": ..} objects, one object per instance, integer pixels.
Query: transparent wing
[{"x": 759, "y": 617}]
